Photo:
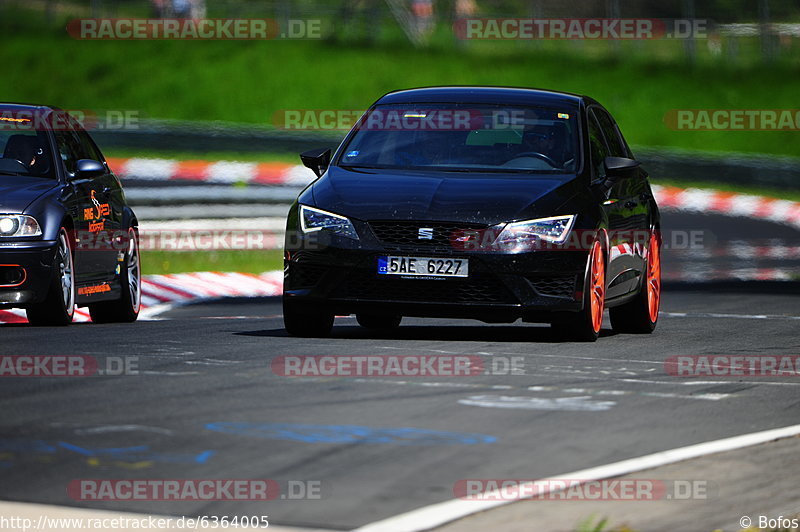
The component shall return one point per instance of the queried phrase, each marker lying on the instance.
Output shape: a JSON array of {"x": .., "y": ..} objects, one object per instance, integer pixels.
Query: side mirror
[
  {"x": 621, "y": 168},
  {"x": 89, "y": 168},
  {"x": 318, "y": 160}
]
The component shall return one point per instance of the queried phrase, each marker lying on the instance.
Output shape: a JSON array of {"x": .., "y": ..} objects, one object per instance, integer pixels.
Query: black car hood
[
  {"x": 485, "y": 198},
  {"x": 17, "y": 192}
]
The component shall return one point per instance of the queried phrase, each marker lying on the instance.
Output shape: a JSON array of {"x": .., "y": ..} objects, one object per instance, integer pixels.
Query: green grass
[
  {"x": 249, "y": 81},
  {"x": 593, "y": 524},
  {"x": 246, "y": 261}
]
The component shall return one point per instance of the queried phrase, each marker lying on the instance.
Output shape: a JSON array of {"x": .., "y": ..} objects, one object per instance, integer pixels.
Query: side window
[
  {"x": 88, "y": 148},
  {"x": 69, "y": 148},
  {"x": 616, "y": 145},
  {"x": 597, "y": 145}
]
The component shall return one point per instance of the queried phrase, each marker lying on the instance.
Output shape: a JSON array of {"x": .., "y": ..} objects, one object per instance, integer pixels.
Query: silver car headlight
[
  {"x": 528, "y": 234},
  {"x": 312, "y": 220},
  {"x": 19, "y": 225}
]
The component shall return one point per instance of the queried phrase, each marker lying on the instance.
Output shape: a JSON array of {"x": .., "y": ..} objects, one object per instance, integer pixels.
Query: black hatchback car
[
  {"x": 476, "y": 202},
  {"x": 67, "y": 236}
]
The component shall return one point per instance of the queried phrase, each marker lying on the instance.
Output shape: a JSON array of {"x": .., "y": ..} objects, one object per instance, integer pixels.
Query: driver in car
[
  {"x": 26, "y": 149},
  {"x": 538, "y": 139}
]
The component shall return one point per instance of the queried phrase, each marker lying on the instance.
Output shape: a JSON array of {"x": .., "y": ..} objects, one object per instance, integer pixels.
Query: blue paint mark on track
[
  {"x": 349, "y": 434},
  {"x": 139, "y": 453},
  {"x": 21, "y": 445}
]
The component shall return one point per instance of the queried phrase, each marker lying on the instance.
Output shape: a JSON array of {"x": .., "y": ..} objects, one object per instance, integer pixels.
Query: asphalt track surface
[{"x": 206, "y": 404}]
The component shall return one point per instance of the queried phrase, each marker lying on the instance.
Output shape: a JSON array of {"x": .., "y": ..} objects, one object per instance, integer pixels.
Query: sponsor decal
[
  {"x": 94, "y": 289},
  {"x": 95, "y": 213},
  {"x": 96, "y": 227}
]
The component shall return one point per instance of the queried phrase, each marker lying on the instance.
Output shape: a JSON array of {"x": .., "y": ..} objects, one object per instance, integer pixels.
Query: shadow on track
[{"x": 477, "y": 333}]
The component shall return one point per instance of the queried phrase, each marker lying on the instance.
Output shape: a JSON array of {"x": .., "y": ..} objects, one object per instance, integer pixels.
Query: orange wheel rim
[
  {"x": 654, "y": 278},
  {"x": 598, "y": 287}
]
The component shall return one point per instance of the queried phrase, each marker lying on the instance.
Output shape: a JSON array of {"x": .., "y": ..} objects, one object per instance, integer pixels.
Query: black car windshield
[
  {"x": 465, "y": 138},
  {"x": 25, "y": 153}
]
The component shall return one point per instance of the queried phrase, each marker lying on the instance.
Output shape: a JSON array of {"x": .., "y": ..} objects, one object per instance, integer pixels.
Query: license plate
[{"x": 423, "y": 267}]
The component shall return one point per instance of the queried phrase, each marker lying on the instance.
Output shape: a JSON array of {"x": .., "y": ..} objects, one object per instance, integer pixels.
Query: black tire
[
  {"x": 378, "y": 322},
  {"x": 58, "y": 307},
  {"x": 126, "y": 308},
  {"x": 640, "y": 316},
  {"x": 301, "y": 320},
  {"x": 584, "y": 326}
]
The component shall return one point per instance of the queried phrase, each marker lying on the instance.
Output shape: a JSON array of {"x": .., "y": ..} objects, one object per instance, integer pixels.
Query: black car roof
[
  {"x": 507, "y": 95},
  {"x": 41, "y": 110}
]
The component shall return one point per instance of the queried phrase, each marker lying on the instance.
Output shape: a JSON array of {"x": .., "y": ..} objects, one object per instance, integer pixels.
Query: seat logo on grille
[{"x": 425, "y": 233}]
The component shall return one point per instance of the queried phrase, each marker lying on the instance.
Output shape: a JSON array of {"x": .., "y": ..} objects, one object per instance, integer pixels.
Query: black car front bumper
[
  {"x": 342, "y": 277},
  {"x": 26, "y": 272}
]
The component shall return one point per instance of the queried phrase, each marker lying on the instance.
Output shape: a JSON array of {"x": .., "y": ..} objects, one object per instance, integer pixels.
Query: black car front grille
[
  {"x": 554, "y": 285},
  {"x": 405, "y": 236},
  {"x": 478, "y": 289},
  {"x": 302, "y": 275}
]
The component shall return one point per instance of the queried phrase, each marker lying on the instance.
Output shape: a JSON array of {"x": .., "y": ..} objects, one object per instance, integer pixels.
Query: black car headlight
[
  {"x": 312, "y": 220},
  {"x": 19, "y": 225},
  {"x": 528, "y": 234}
]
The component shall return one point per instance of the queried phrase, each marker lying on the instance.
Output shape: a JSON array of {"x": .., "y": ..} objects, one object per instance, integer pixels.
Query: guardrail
[
  {"x": 730, "y": 168},
  {"x": 201, "y": 137}
]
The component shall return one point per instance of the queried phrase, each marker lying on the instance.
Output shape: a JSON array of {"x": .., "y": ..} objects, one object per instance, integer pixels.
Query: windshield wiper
[
  {"x": 488, "y": 170},
  {"x": 348, "y": 166},
  {"x": 6, "y": 172}
]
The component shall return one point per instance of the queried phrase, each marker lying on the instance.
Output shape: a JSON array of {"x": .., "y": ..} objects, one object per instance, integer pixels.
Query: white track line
[
  {"x": 439, "y": 514},
  {"x": 728, "y": 316}
]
